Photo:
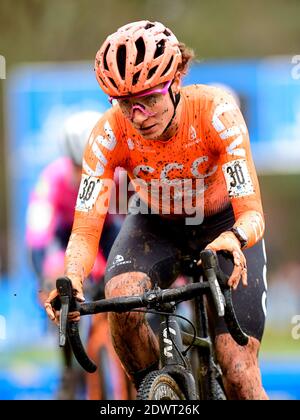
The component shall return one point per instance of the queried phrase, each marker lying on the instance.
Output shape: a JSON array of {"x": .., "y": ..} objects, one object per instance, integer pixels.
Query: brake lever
[
  {"x": 66, "y": 303},
  {"x": 64, "y": 288},
  {"x": 217, "y": 294},
  {"x": 210, "y": 262}
]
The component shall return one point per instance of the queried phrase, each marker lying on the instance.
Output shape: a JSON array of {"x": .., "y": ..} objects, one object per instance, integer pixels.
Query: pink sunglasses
[{"x": 162, "y": 90}]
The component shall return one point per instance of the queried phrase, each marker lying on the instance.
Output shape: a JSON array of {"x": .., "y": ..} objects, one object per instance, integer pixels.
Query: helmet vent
[
  {"x": 151, "y": 72},
  {"x": 101, "y": 80},
  {"x": 149, "y": 25},
  {"x": 104, "y": 57},
  {"x": 136, "y": 78},
  {"x": 113, "y": 82},
  {"x": 121, "y": 60},
  {"x": 168, "y": 66},
  {"x": 140, "y": 46},
  {"x": 160, "y": 47}
]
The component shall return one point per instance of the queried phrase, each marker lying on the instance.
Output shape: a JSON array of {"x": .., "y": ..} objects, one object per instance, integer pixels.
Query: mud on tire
[{"x": 159, "y": 386}]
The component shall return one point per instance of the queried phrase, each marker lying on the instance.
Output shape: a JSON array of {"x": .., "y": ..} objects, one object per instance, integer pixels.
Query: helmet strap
[{"x": 175, "y": 101}]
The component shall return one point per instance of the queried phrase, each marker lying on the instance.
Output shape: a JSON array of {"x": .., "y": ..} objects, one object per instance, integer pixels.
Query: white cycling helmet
[{"x": 75, "y": 133}]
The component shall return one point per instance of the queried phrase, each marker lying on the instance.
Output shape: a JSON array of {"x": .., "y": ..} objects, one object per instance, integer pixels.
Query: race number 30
[
  {"x": 88, "y": 192},
  {"x": 238, "y": 178},
  {"x": 88, "y": 188}
]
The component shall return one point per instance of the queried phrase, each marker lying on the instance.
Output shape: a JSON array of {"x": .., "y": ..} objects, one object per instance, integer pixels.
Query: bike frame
[
  {"x": 206, "y": 367},
  {"x": 172, "y": 360},
  {"x": 176, "y": 365}
]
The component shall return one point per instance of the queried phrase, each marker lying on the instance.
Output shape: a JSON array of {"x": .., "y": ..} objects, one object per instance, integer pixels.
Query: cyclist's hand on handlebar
[
  {"x": 53, "y": 314},
  {"x": 77, "y": 288},
  {"x": 227, "y": 241}
]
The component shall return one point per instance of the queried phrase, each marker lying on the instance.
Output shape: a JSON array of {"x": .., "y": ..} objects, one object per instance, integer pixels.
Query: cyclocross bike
[{"x": 188, "y": 369}]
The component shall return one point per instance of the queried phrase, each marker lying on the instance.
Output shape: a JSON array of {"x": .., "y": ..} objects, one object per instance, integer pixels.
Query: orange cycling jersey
[{"x": 211, "y": 145}]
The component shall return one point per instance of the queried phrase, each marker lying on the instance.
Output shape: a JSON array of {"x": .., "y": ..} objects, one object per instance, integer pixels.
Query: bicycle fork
[{"x": 172, "y": 359}]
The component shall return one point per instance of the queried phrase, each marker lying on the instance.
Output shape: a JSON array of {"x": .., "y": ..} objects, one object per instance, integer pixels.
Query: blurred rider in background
[{"x": 49, "y": 223}]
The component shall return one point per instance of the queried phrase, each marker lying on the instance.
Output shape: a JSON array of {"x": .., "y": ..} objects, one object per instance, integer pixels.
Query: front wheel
[
  {"x": 218, "y": 390},
  {"x": 159, "y": 386}
]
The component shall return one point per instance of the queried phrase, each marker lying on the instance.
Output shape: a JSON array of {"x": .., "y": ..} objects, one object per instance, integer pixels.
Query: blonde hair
[{"x": 187, "y": 56}]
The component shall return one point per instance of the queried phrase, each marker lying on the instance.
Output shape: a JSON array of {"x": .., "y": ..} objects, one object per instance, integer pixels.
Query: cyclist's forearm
[{"x": 81, "y": 254}]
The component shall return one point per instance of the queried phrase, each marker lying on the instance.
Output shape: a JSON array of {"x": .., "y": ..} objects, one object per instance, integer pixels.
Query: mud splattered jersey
[{"x": 210, "y": 151}]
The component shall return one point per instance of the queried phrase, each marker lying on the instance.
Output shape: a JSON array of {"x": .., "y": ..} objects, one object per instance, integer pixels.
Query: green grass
[
  {"x": 279, "y": 343},
  {"x": 275, "y": 342},
  {"x": 32, "y": 355}
]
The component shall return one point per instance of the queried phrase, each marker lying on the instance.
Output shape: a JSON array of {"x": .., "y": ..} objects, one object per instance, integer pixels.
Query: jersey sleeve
[
  {"x": 231, "y": 142},
  {"x": 102, "y": 155}
]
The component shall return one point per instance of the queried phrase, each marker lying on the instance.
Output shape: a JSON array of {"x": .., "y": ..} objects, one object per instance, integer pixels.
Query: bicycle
[{"x": 188, "y": 370}]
